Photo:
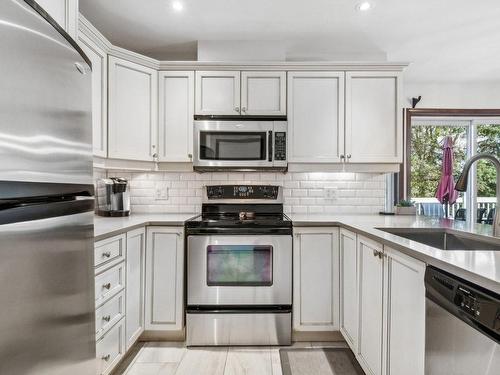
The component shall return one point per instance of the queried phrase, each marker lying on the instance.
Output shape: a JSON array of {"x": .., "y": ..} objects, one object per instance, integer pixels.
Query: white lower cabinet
[
  {"x": 110, "y": 348},
  {"x": 165, "y": 278},
  {"x": 405, "y": 328},
  {"x": 382, "y": 306},
  {"x": 134, "y": 290},
  {"x": 109, "y": 314},
  {"x": 316, "y": 279},
  {"x": 349, "y": 317},
  {"x": 371, "y": 300}
]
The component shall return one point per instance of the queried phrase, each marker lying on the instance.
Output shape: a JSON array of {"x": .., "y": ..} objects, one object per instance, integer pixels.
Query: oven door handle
[{"x": 270, "y": 146}]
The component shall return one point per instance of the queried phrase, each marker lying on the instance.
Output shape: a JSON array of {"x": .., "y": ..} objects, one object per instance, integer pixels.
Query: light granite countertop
[
  {"x": 480, "y": 267},
  {"x": 111, "y": 226}
]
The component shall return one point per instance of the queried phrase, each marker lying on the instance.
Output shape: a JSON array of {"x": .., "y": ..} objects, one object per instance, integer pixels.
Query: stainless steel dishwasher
[{"x": 462, "y": 326}]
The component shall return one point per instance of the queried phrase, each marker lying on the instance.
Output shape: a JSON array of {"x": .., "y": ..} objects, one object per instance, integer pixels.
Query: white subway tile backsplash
[{"x": 303, "y": 192}]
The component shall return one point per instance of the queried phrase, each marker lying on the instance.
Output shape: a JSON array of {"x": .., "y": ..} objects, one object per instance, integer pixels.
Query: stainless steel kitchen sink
[{"x": 446, "y": 239}]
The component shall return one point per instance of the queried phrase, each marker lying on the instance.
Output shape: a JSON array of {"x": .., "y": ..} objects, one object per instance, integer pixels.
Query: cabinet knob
[
  {"x": 342, "y": 156},
  {"x": 348, "y": 156},
  {"x": 377, "y": 253},
  {"x": 106, "y": 318},
  {"x": 107, "y": 286},
  {"x": 237, "y": 109},
  {"x": 106, "y": 254},
  {"x": 106, "y": 357},
  {"x": 243, "y": 109},
  {"x": 190, "y": 156}
]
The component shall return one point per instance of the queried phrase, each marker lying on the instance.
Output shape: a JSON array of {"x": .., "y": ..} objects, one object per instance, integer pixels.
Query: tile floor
[{"x": 173, "y": 358}]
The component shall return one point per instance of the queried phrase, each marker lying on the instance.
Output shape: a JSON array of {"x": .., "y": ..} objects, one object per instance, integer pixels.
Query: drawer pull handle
[
  {"x": 106, "y": 318},
  {"x": 107, "y": 286},
  {"x": 106, "y": 357},
  {"x": 106, "y": 254}
]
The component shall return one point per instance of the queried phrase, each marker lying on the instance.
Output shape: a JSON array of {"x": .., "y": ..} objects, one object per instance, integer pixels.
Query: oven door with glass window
[
  {"x": 232, "y": 144},
  {"x": 226, "y": 270}
]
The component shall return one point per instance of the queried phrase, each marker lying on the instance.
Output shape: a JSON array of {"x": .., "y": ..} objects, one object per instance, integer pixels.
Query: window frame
[{"x": 473, "y": 116}]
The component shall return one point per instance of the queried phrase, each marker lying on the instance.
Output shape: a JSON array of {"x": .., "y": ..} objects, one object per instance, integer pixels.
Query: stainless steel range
[{"x": 239, "y": 268}]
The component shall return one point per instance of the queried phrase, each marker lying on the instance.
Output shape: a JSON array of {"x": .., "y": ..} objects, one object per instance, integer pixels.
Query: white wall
[
  {"x": 303, "y": 192},
  {"x": 453, "y": 95}
]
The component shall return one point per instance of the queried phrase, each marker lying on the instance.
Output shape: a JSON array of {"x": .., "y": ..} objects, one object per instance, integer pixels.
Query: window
[{"x": 470, "y": 135}]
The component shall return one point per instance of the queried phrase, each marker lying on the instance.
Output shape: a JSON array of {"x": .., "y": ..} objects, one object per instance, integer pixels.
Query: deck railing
[{"x": 431, "y": 206}]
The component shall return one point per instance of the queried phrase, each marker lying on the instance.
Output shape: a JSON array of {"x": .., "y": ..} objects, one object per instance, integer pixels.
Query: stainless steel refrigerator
[{"x": 46, "y": 197}]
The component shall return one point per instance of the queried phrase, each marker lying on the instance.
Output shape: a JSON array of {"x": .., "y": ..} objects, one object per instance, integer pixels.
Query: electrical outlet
[
  {"x": 330, "y": 193},
  {"x": 161, "y": 191}
]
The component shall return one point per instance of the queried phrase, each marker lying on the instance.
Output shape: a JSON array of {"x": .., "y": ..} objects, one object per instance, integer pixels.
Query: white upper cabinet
[
  {"x": 316, "y": 286},
  {"x": 176, "y": 106},
  {"x": 263, "y": 93},
  {"x": 64, "y": 12},
  {"x": 99, "y": 61},
  {"x": 315, "y": 117},
  {"x": 165, "y": 278},
  {"x": 373, "y": 117},
  {"x": 133, "y": 111},
  {"x": 405, "y": 314},
  {"x": 134, "y": 287},
  {"x": 218, "y": 93},
  {"x": 349, "y": 287},
  {"x": 371, "y": 303}
]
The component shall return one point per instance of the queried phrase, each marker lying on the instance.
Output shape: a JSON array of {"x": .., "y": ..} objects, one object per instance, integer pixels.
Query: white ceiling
[{"x": 445, "y": 40}]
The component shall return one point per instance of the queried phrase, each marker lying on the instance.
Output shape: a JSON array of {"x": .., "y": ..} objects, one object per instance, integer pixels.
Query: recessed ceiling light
[
  {"x": 177, "y": 6},
  {"x": 364, "y": 6}
]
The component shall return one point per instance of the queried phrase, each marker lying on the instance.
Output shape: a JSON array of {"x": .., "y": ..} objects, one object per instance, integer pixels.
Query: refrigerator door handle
[{"x": 46, "y": 210}]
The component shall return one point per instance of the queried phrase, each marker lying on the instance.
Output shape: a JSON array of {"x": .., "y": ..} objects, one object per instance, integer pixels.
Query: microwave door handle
[{"x": 270, "y": 146}]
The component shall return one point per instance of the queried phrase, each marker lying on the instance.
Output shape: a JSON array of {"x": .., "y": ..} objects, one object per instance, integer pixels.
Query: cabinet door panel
[
  {"x": 164, "y": 282},
  {"x": 218, "y": 93},
  {"x": 133, "y": 91},
  {"x": 99, "y": 61},
  {"x": 349, "y": 318},
  {"x": 405, "y": 314},
  {"x": 176, "y": 116},
  {"x": 316, "y": 116},
  {"x": 373, "y": 117},
  {"x": 135, "y": 289},
  {"x": 263, "y": 93},
  {"x": 371, "y": 279},
  {"x": 316, "y": 280}
]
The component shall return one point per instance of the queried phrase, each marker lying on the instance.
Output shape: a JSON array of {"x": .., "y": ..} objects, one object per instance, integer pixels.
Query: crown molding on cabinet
[
  {"x": 284, "y": 65},
  {"x": 91, "y": 32}
]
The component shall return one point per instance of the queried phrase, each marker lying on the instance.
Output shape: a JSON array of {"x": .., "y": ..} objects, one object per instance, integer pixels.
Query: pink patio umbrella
[{"x": 446, "y": 193}]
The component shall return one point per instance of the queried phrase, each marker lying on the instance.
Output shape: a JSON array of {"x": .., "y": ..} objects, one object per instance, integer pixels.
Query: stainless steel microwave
[{"x": 239, "y": 145}]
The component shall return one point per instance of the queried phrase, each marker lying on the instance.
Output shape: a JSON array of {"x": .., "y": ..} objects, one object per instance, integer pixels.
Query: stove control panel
[{"x": 242, "y": 192}]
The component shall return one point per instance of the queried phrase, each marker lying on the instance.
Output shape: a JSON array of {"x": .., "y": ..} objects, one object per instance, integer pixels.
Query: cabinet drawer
[
  {"x": 110, "y": 348},
  {"x": 109, "y": 283},
  {"x": 109, "y": 314},
  {"x": 109, "y": 251}
]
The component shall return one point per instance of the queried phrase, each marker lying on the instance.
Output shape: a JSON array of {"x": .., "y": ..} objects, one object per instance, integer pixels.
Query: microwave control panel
[{"x": 280, "y": 146}]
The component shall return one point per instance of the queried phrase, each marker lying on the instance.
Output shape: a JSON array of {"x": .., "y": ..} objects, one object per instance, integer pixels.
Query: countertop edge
[{"x": 116, "y": 232}]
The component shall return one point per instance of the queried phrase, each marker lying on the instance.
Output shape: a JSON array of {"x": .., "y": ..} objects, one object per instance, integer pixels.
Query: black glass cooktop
[{"x": 234, "y": 223}]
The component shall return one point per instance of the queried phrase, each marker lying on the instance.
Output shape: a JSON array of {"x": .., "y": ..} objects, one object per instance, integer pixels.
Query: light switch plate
[
  {"x": 330, "y": 193},
  {"x": 161, "y": 191}
]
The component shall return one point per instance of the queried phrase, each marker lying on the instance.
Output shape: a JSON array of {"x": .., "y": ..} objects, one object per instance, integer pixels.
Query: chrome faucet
[{"x": 461, "y": 185}]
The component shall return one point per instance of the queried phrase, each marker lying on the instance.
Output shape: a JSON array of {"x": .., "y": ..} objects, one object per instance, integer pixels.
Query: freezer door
[
  {"x": 46, "y": 293},
  {"x": 45, "y": 101}
]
